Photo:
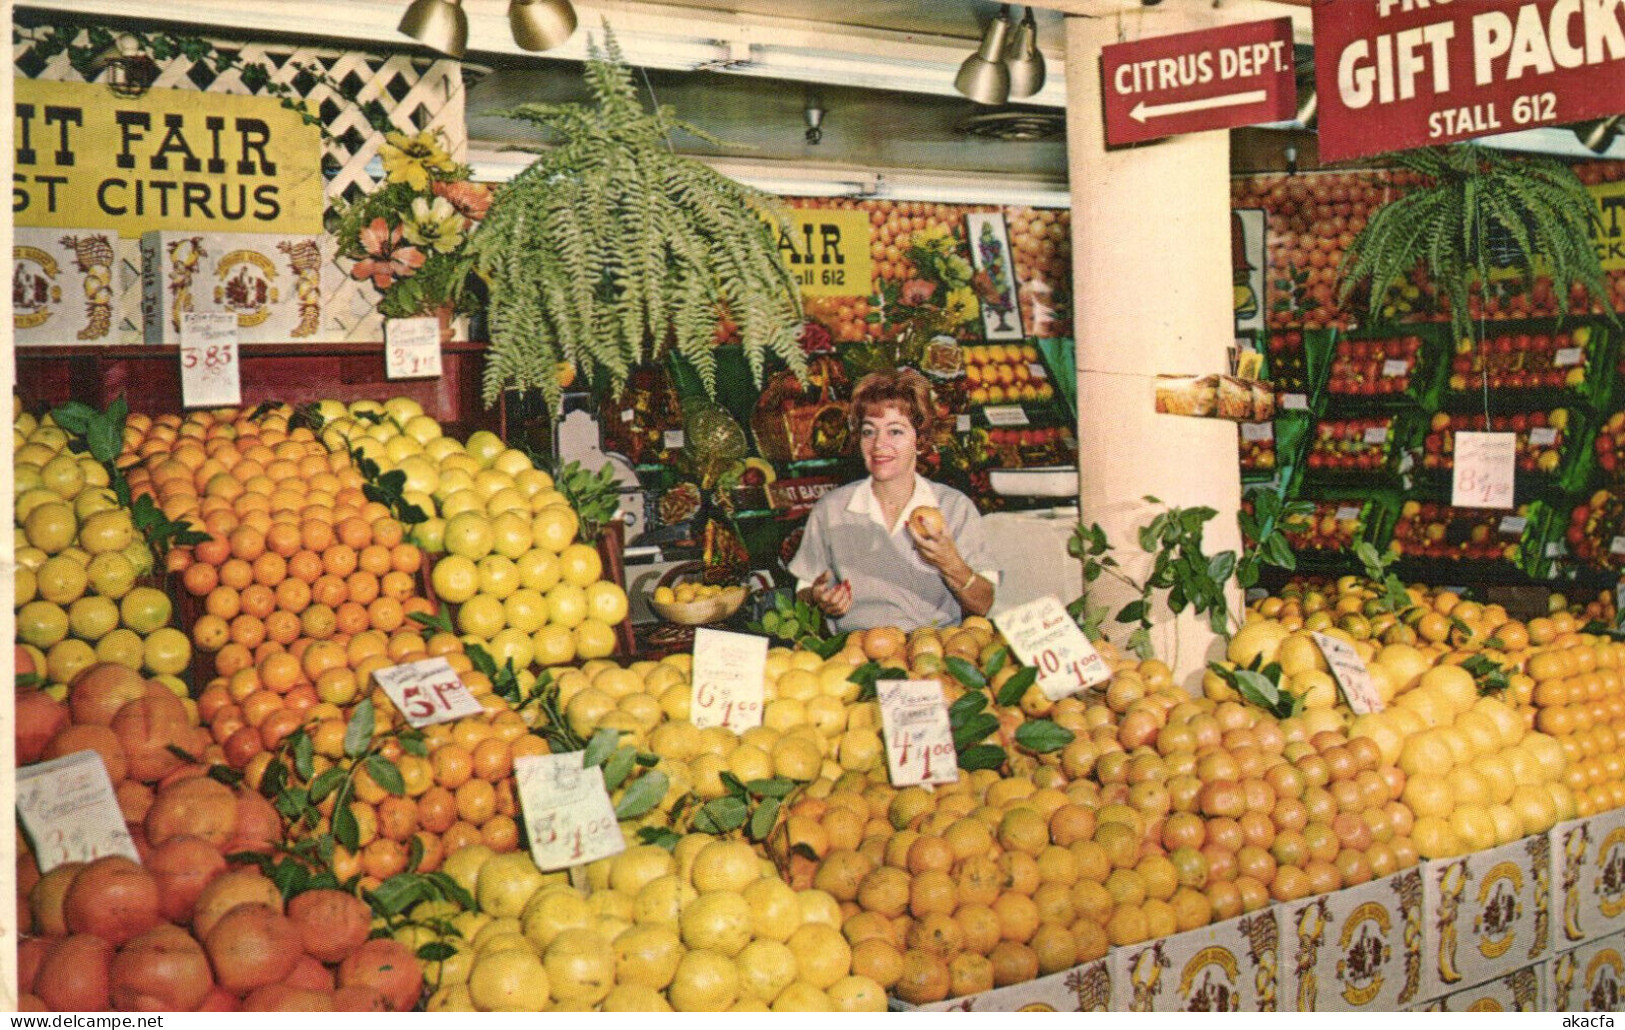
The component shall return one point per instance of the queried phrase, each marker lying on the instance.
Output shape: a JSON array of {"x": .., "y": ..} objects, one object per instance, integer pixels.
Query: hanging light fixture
[
  {"x": 1025, "y": 60},
  {"x": 438, "y": 24},
  {"x": 984, "y": 77},
  {"x": 1598, "y": 136},
  {"x": 541, "y": 24},
  {"x": 130, "y": 69}
]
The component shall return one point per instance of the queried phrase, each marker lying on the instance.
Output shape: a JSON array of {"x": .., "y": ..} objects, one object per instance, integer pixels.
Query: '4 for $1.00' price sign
[
  {"x": 919, "y": 740},
  {"x": 1043, "y": 635},
  {"x": 568, "y": 815},
  {"x": 211, "y": 375},
  {"x": 727, "y": 680},
  {"x": 428, "y": 692}
]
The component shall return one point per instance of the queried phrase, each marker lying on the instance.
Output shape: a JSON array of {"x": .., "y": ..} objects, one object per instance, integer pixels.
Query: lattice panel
[{"x": 416, "y": 94}]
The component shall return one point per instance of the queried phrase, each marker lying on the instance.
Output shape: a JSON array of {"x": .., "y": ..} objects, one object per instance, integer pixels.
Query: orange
[
  {"x": 292, "y": 595},
  {"x": 403, "y": 645},
  {"x": 398, "y": 585},
  {"x": 362, "y": 587},
  {"x": 453, "y": 765},
  {"x": 388, "y": 532},
  {"x": 210, "y": 633},
  {"x": 279, "y": 672},
  {"x": 283, "y": 539},
  {"x": 248, "y": 631},
  {"x": 270, "y": 569},
  {"x": 315, "y": 535},
  {"x": 320, "y": 657},
  {"x": 406, "y": 558},
  {"x": 258, "y": 600},
  {"x": 350, "y": 618},
  {"x": 318, "y": 622},
  {"x": 339, "y": 560},
  {"x": 374, "y": 558},
  {"x": 476, "y": 801},
  {"x": 500, "y": 833},
  {"x": 492, "y": 759},
  {"x": 437, "y": 809},
  {"x": 200, "y": 578},
  {"x": 236, "y": 573},
  {"x": 386, "y": 614},
  {"x": 354, "y": 533},
  {"x": 306, "y": 566},
  {"x": 223, "y": 602},
  {"x": 258, "y": 705},
  {"x": 231, "y": 659},
  {"x": 329, "y": 590}
]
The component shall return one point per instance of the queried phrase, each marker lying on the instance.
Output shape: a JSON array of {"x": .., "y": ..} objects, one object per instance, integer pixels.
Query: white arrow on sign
[{"x": 1143, "y": 110}]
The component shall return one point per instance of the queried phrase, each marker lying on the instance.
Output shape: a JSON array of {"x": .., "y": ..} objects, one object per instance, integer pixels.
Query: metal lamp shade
[
  {"x": 1598, "y": 136},
  {"x": 439, "y": 25},
  {"x": 1026, "y": 61},
  {"x": 541, "y": 24},
  {"x": 984, "y": 77}
]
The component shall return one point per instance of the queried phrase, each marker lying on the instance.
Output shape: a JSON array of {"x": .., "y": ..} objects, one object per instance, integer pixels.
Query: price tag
[
  {"x": 1255, "y": 432},
  {"x": 412, "y": 348},
  {"x": 672, "y": 440},
  {"x": 211, "y": 375},
  {"x": 568, "y": 815},
  {"x": 919, "y": 741},
  {"x": 1617, "y": 545},
  {"x": 1294, "y": 402},
  {"x": 1376, "y": 434},
  {"x": 1557, "y": 549},
  {"x": 1008, "y": 415},
  {"x": 961, "y": 423},
  {"x": 428, "y": 692},
  {"x": 1568, "y": 357},
  {"x": 1485, "y": 466},
  {"x": 1348, "y": 513},
  {"x": 1037, "y": 371},
  {"x": 68, "y": 807},
  {"x": 626, "y": 414},
  {"x": 727, "y": 679},
  {"x": 1543, "y": 436},
  {"x": 1043, "y": 635},
  {"x": 1350, "y": 673},
  {"x": 1513, "y": 525},
  {"x": 1395, "y": 367}
]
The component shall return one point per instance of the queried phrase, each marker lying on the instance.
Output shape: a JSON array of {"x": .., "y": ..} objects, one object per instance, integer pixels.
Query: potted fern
[
  {"x": 611, "y": 249},
  {"x": 1473, "y": 210}
]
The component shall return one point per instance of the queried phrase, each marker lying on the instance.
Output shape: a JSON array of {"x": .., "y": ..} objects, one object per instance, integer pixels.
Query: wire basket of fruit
[{"x": 680, "y": 597}]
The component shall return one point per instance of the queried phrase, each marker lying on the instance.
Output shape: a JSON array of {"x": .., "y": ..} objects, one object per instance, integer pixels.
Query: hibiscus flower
[
  {"x": 916, "y": 292},
  {"x": 386, "y": 260},
  {"x": 471, "y": 199}
]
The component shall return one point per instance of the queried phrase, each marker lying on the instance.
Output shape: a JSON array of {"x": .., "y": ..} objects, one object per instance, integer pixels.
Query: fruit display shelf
[
  {"x": 1534, "y": 364},
  {"x": 1609, "y": 448},
  {"x": 1364, "y": 451},
  {"x": 1474, "y": 541},
  {"x": 1595, "y": 533},
  {"x": 1554, "y": 450},
  {"x": 1294, "y": 370},
  {"x": 1326, "y": 537},
  {"x": 1381, "y": 367}
]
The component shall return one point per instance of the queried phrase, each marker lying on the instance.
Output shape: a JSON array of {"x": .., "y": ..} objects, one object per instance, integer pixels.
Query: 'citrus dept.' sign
[
  {"x": 172, "y": 159},
  {"x": 828, "y": 252}
]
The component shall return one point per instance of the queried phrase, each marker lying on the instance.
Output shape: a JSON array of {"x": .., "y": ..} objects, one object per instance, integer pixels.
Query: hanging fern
[
  {"x": 611, "y": 247},
  {"x": 1536, "y": 205}
]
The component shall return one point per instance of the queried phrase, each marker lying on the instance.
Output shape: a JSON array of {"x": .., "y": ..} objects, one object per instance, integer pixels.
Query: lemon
[
  {"x": 822, "y": 954},
  {"x": 552, "y": 911},
  {"x": 647, "y": 955},
  {"x": 506, "y": 883},
  {"x": 774, "y": 908},
  {"x": 802, "y": 997},
  {"x": 50, "y": 526},
  {"x": 463, "y": 865},
  {"x": 41, "y": 624},
  {"x": 724, "y": 865},
  {"x": 505, "y": 940},
  {"x": 25, "y": 586},
  {"x": 636, "y": 866},
  {"x": 766, "y": 968},
  {"x": 451, "y": 998},
  {"x": 717, "y": 921},
  {"x": 661, "y": 900},
  {"x": 493, "y": 928},
  {"x": 509, "y": 981},
  {"x": 634, "y": 998},
  {"x": 857, "y": 994},
  {"x": 580, "y": 966},
  {"x": 92, "y": 618},
  {"x": 819, "y": 907},
  {"x": 705, "y": 982}
]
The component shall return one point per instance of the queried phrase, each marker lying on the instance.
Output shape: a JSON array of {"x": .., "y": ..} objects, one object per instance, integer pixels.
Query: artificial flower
[
  {"x": 471, "y": 199},
  {"x": 961, "y": 306},
  {"x": 916, "y": 292},
  {"x": 434, "y": 223},
  {"x": 386, "y": 260},
  {"x": 956, "y": 271},
  {"x": 410, "y": 159}
]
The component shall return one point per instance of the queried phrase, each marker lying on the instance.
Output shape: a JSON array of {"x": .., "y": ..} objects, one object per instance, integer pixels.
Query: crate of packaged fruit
[
  {"x": 1274, "y": 449},
  {"x": 1522, "y": 990},
  {"x": 1588, "y": 877},
  {"x": 1354, "y": 950},
  {"x": 1488, "y": 915},
  {"x": 1553, "y": 447},
  {"x": 1532, "y": 365},
  {"x": 1227, "y": 967},
  {"x": 1366, "y": 370},
  {"x": 1590, "y": 978},
  {"x": 1363, "y": 450},
  {"x": 1609, "y": 448},
  {"x": 1085, "y": 988},
  {"x": 1295, "y": 370},
  {"x": 1429, "y": 532}
]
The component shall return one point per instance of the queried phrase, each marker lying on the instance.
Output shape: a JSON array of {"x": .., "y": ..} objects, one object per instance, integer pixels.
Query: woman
[{"x": 861, "y": 562}]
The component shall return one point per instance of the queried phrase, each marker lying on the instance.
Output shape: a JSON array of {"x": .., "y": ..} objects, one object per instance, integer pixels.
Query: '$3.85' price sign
[
  {"x": 211, "y": 375},
  {"x": 919, "y": 740},
  {"x": 1043, "y": 635},
  {"x": 568, "y": 815},
  {"x": 428, "y": 692}
]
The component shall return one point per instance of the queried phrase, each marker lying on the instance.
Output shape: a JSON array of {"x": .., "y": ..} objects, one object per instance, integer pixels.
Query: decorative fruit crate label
[
  {"x": 1588, "y": 877},
  {"x": 1085, "y": 988},
  {"x": 1590, "y": 978},
  {"x": 1350, "y": 673},
  {"x": 1255, "y": 432},
  {"x": 1375, "y": 434},
  {"x": 1488, "y": 914},
  {"x": 1354, "y": 950},
  {"x": 1521, "y": 990},
  {"x": 1543, "y": 436},
  {"x": 1226, "y": 967},
  {"x": 1568, "y": 357},
  {"x": 1006, "y": 416},
  {"x": 919, "y": 741},
  {"x": 1395, "y": 367},
  {"x": 672, "y": 439},
  {"x": 412, "y": 348},
  {"x": 428, "y": 692},
  {"x": 65, "y": 286},
  {"x": 568, "y": 815},
  {"x": 727, "y": 679},
  {"x": 1486, "y": 464},
  {"x": 1294, "y": 402},
  {"x": 1513, "y": 525},
  {"x": 272, "y": 285},
  {"x": 1043, "y": 635},
  {"x": 211, "y": 375},
  {"x": 68, "y": 807},
  {"x": 1348, "y": 513}
]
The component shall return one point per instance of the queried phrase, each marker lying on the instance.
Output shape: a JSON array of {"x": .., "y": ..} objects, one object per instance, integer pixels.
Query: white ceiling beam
[{"x": 1219, "y": 12}]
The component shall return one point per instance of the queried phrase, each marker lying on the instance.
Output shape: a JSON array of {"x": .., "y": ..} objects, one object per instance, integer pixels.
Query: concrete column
[{"x": 1151, "y": 270}]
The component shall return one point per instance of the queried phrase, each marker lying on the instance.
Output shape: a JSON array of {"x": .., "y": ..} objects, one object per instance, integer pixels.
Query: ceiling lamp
[
  {"x": 1598, "y": 136},
  {"x": 1025, "y": 60},
  {"x": 984, "y": 77},
  {"x": 541, "y": 24},
  {"x": 439, "y": 25}
]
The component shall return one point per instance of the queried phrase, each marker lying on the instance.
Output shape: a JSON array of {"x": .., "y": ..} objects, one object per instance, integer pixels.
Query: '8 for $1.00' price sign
[
  {"x": 211, "y": 375},
  {"x": 568, "y": 815},
  {"x": 1043, "y": 635},
  {"x": 428, "y": 692},
  {"x": 919, "y": 740}
]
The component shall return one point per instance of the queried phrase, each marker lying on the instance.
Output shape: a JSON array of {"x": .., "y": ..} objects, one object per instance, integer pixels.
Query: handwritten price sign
[
  {"x": 211, "y": 375},
  {"x": 412, "y": 348},
  {"x": 919, "y": 740},
  {"x": 1485, "y": 466},
  {"x": 1044, "y": 636},
  {"x": 68, "y": 807},
  {"x": 428, "y": 692},
  {"x": 568, "y": 816},
  {"x": 727, "y": 680},
  {"x": 1350, "y": 673}
]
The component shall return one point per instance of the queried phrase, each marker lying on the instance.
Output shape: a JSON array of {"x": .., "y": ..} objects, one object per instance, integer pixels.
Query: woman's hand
[
  {"x": 940, "y": 552},
  {"x": 833, "y": 599}
]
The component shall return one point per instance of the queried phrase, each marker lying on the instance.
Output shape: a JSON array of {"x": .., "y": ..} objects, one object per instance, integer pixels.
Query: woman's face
[{"x": 888, "y": 443}]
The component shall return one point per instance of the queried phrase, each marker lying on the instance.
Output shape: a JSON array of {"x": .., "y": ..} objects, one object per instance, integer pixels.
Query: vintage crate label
[
  {"x": 1588, "y": 877},
  {"x": 1085, "y": 988},
  {"x": 1522, "y": 990},
  {"x": 1226, "y": 967},
  {"x": 273, "y": 284},
  {"x": 1590, "y": 978},
  {"x": 1488, "y": 914},
  {"x": 66, "y": 285},
  {"x": 1356, "y": 950}
]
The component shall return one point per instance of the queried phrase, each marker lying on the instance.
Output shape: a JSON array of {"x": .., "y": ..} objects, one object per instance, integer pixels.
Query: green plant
[
  {"x": 1392, "y": 596},
  {"x": 611, "y": 247},
  {"x": 1470, "y": 192},
  {"x": 595, "y": 496},
  {"x": 796, "y": 622}
]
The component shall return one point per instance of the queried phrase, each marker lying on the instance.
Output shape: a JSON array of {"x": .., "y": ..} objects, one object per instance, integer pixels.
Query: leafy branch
[
  {"x": 595, "y": 496},
  {"x": 796, "y": 622},
  {"x": 1261, "y": 688},
  {"x": 1394, "y": 598}
]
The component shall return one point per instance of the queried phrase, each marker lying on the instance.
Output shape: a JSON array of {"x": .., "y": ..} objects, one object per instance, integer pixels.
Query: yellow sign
[
  {"x": 1608, "y": 228},
  {"x": 828, "y": 252},
  {"x": 172, "y": 159}
]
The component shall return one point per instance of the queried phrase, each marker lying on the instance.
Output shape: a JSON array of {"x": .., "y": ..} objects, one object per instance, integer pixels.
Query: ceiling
[{"x": 961, "y": 18}]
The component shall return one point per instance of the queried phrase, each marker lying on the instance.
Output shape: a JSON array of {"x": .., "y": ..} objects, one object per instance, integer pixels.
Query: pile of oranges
[{"x": 1579, "y": 699}]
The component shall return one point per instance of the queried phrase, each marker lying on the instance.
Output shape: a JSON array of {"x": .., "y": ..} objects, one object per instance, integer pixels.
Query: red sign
[
  {"x": 1195, "y": 81},
  {"x": 1396, "y": 74}
]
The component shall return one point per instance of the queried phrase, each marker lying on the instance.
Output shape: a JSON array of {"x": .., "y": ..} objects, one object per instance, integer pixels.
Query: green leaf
[
  {"x": 358, "y": 734},
  {"x": 345, "y": 829},
  {"x": 600, "y": 747},
  {"x": 763, "y": 819},
  {"x": 74, "y": 417},
  {"x": 1017, "y": 685},
  {"x": 660, "y": 836},
  {"x": 995, "y": 662},
  {"x": 274, "y": 779},
  {"x": 384, "y": 773},
  {"x": 619, "y": 767},
  {"x": 965, "y": 672},
  {"x": 645, "y": 793},
  {"x": 733, "y": 784},
  {"x": 325, "y": 783},
  {"x": 721, "y": 815},
  {"x": 967, "y": 706},
  {"x": 304, "y": 755},
  {"x": 1042, "y": 736},
  {"x": 1134, "y": 611},
  {"x": 982, "y": 756},
  {"x": 397, "y": 894},
  {"x": 976, "y": 728},
  {"x": 774, "y": 788},
  {"x": 105, "y": 439},
  {"x": 1257, "y": 689},
  {"x": 435, "y": 951}
]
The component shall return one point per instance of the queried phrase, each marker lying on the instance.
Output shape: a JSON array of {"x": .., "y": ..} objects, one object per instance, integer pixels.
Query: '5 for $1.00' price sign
[
  {"x": 428, "y": 692},
  {"x": 211, "y": 375},
  {"x": 568, "y": 815},
  {"x": 727, "y": 680},
  {"x": 1043, "y": 635},
  {"x": 919, "y": 740}
]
